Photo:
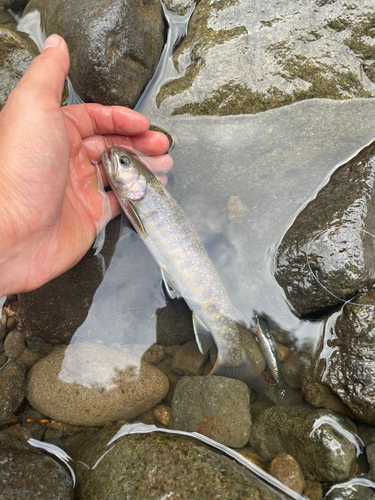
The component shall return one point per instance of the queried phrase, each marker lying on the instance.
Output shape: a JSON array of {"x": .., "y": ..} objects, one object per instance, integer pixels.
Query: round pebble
[{"x": 287, "y": 470}]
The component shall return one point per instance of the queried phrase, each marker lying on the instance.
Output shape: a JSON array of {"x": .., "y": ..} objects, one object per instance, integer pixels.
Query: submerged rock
[
  {"x": 323, "y": 444},
  {"x": 344, "y": 363},
  {"x": 161, "y": 466},
  {"x": 287, "y": 470},
  {"x": 90, "y": 384},
  {"x": 12, "y": 389},
  {"x": 217, "y": 407},
  {"x": 241, "y": 56},
  {"x": 328, "y": 254},
  {"x": 27, "y": 473},
  {"x": 15, "y": 58},
  {"x": 114, "y": 46}
]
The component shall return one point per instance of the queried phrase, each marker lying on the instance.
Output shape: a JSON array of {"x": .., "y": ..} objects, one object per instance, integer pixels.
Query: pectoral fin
[
  {"x": 171, "y": 291},
  {"x": 132, "y": 215},
  {"x": 202, "y": 335}
]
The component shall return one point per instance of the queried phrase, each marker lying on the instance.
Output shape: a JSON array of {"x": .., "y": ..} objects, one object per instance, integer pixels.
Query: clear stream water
[{"x": 274, "y": 162}]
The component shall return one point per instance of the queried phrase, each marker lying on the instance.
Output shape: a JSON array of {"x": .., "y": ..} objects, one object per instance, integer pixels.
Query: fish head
[{"x": 124, "y": 174}]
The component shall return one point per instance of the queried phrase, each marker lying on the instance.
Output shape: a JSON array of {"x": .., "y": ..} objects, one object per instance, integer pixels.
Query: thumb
[{"x": 46, "y": 74}]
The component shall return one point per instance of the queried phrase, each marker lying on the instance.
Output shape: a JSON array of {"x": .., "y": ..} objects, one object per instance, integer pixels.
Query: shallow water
[{"x": 273, "y": 162}]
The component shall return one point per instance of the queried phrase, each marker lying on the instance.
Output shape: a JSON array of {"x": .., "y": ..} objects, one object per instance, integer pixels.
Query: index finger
[{"x": 96, "y": 119}]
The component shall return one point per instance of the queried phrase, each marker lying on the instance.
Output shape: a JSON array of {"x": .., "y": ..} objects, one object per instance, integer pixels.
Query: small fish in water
[
  {"x": 186, "y": 268},
  {"x": 269, "y": 350}
]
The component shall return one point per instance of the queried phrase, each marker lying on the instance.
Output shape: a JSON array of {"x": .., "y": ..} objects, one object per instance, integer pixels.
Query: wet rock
[
  {"x": 89, "y": 384},
  {"x": 313, "y": 490},
  {"x": 370, "y": 453},
  {"x": 344, "y": 364},
  {"x": 160, "y": 464},
  {"x": 55, "y": 310},
  {"x": 366, "y": 433},
  {"x": 14, "y": 344},
  {"x": 291, "y": 369},
  {"x": 18, "y": 432},
  {"x": 311, "y": 436},
  {"x": 29, "y": 358},
  {"x": 284, "y": 468},
  {"x": 12, "y": 389},
  {"x": 174, "y": 324},
  {"x": 26, "y": 473},
  {"x": 350, "y": 492},
  {"x": 328, "y": 254},
  {"x": 15, "y": 57},
  {"x": 180, "y": 7},
  {"x": 217, "y": 407},
  {"x": 238, "y": 58},
  {"x": 114, "y": 47},
  {"x": 188, "y": 360}
]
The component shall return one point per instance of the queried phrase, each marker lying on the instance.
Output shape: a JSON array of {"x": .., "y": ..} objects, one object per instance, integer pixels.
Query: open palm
[{"x": 52, "y": 205}]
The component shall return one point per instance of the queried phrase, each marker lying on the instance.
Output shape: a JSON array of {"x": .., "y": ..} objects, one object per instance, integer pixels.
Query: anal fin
[{"x": 202, "y": 335}]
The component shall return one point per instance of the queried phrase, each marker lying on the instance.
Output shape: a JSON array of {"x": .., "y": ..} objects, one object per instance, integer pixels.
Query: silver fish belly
[{"x": 176, "y": 246}]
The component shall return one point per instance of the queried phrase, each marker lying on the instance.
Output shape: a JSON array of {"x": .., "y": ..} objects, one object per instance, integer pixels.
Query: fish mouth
[{"x": 107, "y": 163}]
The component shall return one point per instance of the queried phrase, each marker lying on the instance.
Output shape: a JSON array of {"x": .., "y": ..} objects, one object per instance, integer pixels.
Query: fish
[
  {"x": 186, "y": 269},
  {"x": 269, "y": 350}
]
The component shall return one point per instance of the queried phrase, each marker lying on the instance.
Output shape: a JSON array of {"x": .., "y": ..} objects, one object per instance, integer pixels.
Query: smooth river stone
[{"x": 90, "y": 384}]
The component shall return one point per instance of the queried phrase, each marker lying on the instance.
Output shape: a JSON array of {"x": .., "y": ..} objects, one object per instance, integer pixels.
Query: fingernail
[{"x": 52, "y": 41}]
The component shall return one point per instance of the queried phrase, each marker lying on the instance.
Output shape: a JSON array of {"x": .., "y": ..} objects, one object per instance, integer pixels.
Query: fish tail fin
[{"x": 245, "y": 371}]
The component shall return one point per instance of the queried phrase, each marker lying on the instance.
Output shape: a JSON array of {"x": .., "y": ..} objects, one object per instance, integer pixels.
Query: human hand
[{"x": 51, "y": 204}]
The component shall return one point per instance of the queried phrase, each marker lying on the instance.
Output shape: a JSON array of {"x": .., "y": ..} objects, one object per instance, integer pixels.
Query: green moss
[{"x": 355, "y": 41}]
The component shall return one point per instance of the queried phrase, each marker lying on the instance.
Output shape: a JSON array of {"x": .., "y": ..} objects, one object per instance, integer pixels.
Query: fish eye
[{"x": 124, "y": 160}]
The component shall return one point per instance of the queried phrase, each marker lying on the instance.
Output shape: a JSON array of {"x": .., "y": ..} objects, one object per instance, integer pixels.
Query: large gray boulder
[{"x": 246, "y": 56}]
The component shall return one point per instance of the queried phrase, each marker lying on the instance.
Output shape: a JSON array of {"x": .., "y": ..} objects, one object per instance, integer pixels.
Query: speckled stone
[
  {"x": 12, "y": 389},
  {"x": 312, "y": 436},
  {"x": 287, "y": 470},
  {"x": 217, "y": 407},
  {"x": 188, "y": 360},
  {"x": 15, "y": 58},
  {"x": 90, "y": 384},
  {"x": 152, "y": 466},
  {"x": 14, "y": 344},
  {"x": 27, "y": 473}
]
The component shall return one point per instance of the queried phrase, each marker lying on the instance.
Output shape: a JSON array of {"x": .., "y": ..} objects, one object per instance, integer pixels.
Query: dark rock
[
  {"x": 291, "y": 369},
  {"x": 350, "y": 492},
  {"x": 13, "y": 4},
  {"x": 55, "y": 310},
  {"x": 12, "y": 389},
  {"x": 159, "y": 464},
  {"x": 366, "y": 433},
  {"x": 26, "y": 473},
  {"x": 114, "y": 46},
  {"x": 174, "y": 324},
  {"x": 370, "y": 453},
  {"x": 217, "y": 407},
  {"x": 328, "y": 254},
  {"x": 180, "y": 6},
  {"x": 314, "y": 437},
  {"x": 286, "y": 469},
  {"x": 343, "y": 367},
  {"x": 238, "y": 58},
  {"x": 15, "y": 57},
  {"x": 7, "y": 21}
]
